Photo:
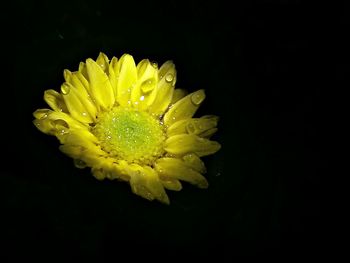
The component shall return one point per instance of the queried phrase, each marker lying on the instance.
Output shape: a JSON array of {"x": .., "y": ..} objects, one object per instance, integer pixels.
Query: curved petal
[
  {"x": 198, "y": 126},
  {"x": 77, "y": 80},
  {"x": 187, "y": 143},
  {"x": 142, "y": 95},
  {"x": 113, "y": 74},
  {"x": 55, "y": 123},
  {"x": 176, "y": 168},
  {"x": 83, "y": 70},
  {"x": 126, "y": 80},
  {"x": 193, "y": 161},
  {"x": 165, "y": 88},
  {"x": 55, "y": 100},
  {"x": 100, "y": 87},
  {"x": 107, "y": 168},
  {"x": 103, "y": 61},
  {"x": 184, "y": 108},
  {"x": 178, "y": 94},
  {"x": 74, "y": 104},
  {"x": 171, "y": 183},
  {"x": 144, "y": 181}
]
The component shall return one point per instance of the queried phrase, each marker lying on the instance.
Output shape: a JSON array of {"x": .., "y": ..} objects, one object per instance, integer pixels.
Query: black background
[{"x": 257, "y": 62}]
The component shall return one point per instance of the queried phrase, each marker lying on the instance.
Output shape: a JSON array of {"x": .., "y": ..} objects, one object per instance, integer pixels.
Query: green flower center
[{"x": 131, "y": 135}]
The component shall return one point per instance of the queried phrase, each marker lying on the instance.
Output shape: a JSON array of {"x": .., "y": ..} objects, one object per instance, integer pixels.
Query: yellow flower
[{"x": 128, "y": 122}]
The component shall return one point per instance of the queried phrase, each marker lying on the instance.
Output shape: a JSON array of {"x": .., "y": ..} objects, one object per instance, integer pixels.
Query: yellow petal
[
  {"x": 81, "y": 91},
  {"x": 144, "y": 181},
  {"x": 113, "y": 74},
  {"x": 74, "y": 103},
  {"x": 141, "y": 94},
  {"x": 165, "y": 88},
  {"x": 171, "y": 183},
  {"x": 83, "y": 70},
  {"x": 72, "y": 123},
  {"x": 100, "y": 87},
  {"x": 187, "y": 143},
  {"x": 178, "y": 127},
  {"x": 83, "y": 145},
  {"x": 178, "y": 94},
  {"x": 55, "y": 100},
  {"x": 176, "y": 168},
  {"x": 200, "y": 126},
  {"x": 103, "y": 61},
  {"x": 193, "y": 161},
  {"x": 126, "y": 80},
  {"x": 184, "y": 108},
  {"x": 83, "y": 81},
  {"x": 55, "y": 123},
  {"x": 107, "y": 168},
  {"x": 209, "y": 133}
]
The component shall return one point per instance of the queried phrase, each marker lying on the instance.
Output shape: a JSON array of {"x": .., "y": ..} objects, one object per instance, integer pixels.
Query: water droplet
[
  {"x": 84, "y": 114},
  {"x": 169, "y": 77},
  {"x": 198, "y": 97},
  {"x": 154, "y": 64},
  {"x": 190, "y": 128},
  {"x": 79, "y": 163},
  {"x": 142, "y": 98},
  {"x": 65, "y": 89}
]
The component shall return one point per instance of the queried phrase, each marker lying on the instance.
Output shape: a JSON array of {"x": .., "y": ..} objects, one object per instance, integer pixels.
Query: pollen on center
[{"x": 131, "y": 135}]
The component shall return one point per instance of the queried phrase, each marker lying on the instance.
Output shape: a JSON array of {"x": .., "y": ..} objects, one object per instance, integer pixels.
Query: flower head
[{"x": 128, "y": 122}]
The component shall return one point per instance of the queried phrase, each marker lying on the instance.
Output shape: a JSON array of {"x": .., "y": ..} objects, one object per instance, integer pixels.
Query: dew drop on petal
[
  {"x": 197, "y": 98},
  {"x": 190, "y": 128},
  {"x": 169, "y": 77},
  {"x": 65, "y": 89},
  {"x": 142, "y": 98},
  {"x": 79, "y": 163},
  {"x": 154, "y": 64}
]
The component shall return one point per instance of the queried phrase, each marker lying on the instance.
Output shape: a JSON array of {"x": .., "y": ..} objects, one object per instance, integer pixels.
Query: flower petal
[
  {"x": 142, "y": 94},
  {"x": 77, "y": 81},
  {"x": 171, "y": 183},
  {"x": 184, "y": 108},
  {"x": 55, "y": 100},
  {"x": 83, "y": 70},
  {"x": 176, "y": 168},
  {"x": 196, "y": 126},
  {"x": 126, "y": 80},
  {"x": 187, "y": 143},
  {"x": 100, "y": 87},
  {"x": 103, "y": 61},
  {"x": 194, "y": 162},
  {"x": 178, "y": 94},
  {"x": 144, "y": 181},
  {"x": 56, "y": 123},
  {"x": 74, "y": 103},
  {"x": 165, "y": 88},
  {"x": 113, "y": 74}
]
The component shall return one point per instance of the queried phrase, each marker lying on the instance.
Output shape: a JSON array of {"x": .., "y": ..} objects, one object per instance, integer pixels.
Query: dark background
[{"x": 257, "y": 61}]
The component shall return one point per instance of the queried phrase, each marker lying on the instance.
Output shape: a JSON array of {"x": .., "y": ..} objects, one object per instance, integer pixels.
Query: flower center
[{"x": 131, "y": 135}]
